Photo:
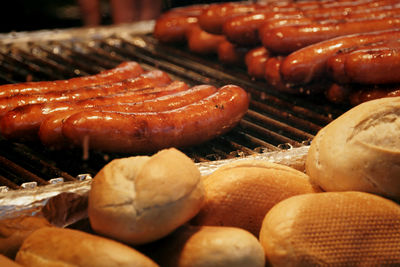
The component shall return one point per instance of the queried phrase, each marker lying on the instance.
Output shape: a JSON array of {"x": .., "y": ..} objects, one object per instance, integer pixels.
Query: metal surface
[{"x": 274, "y": 121}]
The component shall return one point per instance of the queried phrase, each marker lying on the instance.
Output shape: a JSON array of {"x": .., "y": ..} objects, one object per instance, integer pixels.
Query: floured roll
[
  {"x": 333, "y": 229},
  {"x": 51, "y": 246},
  {"x": 360, "y": 150},
  {"x": 140, "y": 199},
  {"x": 241, "y": 193},
  {"x": 209, "y": 246}
]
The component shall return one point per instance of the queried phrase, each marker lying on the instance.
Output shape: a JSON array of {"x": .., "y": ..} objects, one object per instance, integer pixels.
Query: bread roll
[
  {"x": 141, "y": 199},
  {"x": 333, "y": 229},
  {"x": 360, "y": 150},
  {"x": 210, "y": 246},
  {"x": 13, "y": 232},
  {"x": 241, "y": 193},
  {"x": 51, "y": 246},
  {"x": 6, "y": 262}
]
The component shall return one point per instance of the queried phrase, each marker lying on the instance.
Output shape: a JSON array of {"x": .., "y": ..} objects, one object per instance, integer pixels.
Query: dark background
[{"x": 29, "y": 15}]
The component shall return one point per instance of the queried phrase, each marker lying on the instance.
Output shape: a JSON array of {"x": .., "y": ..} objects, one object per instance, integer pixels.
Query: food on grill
[
  {"x": 123, "y": 71},
  {"x": 368, "y": 65},
  {"x": 301, "y": 38},
  {"x": 210, "y": 246},
  {"x": 141, "y": 199},
  {"x": 13, "y": 232},
  {"x": 148, "y": 79},
  {"x": 23, "y": 122},
  {"x": 145, "y": 132},
  {"x": 172, "y": 26},
  {"x": 360, "y": 150},
  {"x": 309, "y": 63},
  {"x": 229, "y": 53},
  {"x": 333, "y": 229},
  {"x": 50, "y": 132},
  {"x": 202, "y": 42},
  {"x": 255, "y": 61},
  {"x": 241, "y": 193},
  {"x": 150, "y": 112},
  {"x": 51, "y": 246}
]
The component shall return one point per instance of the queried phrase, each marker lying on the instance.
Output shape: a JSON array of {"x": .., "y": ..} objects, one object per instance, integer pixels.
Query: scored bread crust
[
  {"x": 52, "y": 246},
  {"x": 360, "y": 150},
  {"x": 141, "y": 199},
  {"x": 333, "y": 229},
  {"x": 241, "y": 193}
]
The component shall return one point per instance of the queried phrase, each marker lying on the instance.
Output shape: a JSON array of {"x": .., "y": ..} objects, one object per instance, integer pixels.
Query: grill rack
[{"x": 274, "y": 121}]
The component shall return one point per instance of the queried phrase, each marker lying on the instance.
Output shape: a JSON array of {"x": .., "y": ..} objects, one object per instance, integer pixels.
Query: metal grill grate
[{"x": 274, "y": 121}]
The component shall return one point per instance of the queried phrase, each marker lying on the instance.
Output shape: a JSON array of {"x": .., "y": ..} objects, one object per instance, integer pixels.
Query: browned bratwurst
[
  {"x": 309, "y": 63},
  {"x": 213, "y": 18},
  {"x": 202, "y": 42},
  {"x": 255, "y": 62},
  {"x": 148, "y": 132},
  {"x": 50, "y": 131},
  {"x": 23, "y": 123},
  {"x": 287, "y": 39},
  {"x": 150, "y": 79},
  {"x": 229, "y": 53},
  {"x": 123, "y": 71},
  {"x": 172, "y": 26}
]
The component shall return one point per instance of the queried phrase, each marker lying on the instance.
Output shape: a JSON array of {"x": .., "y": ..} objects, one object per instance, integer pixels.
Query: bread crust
[
  {"x": 51, "y": 246},
  {"x": 141, "y": 199},
  {"x": 241, "y": 193},
  {"x": 333, "y": 229},
  {"x": 359, "y": 150}
]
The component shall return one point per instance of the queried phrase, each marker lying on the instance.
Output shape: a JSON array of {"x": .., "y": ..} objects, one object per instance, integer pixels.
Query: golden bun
[
  {"x": 241, "y": 193},
  {"x": 360, "y": 150},
  {"x": 333, "y": 229},
  {"x": 140, "y": 199},
  {"x": 210, "y": 246},
  {"x": 51, "y": 246}
]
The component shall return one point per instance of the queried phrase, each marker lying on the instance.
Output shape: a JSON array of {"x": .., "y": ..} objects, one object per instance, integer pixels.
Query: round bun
[
  {"x": 359, "y": 150},
  {"x": 141, "y": 199},
  {"x": 241, "y": 193},
  {"x": 333, "y": 229},
  {"x": 210, "y": 246},
  {"x": 53, "y": 246}
]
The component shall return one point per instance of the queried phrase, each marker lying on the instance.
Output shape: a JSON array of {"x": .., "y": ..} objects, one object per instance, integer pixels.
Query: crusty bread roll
[
  {"x": 6, "y": 262},
  {"x": 209, "y": 246},
  {"x": 141, "y": 199},
  {"x": 241, "y": 193},
  {"x": 53, "y": 246},
  {"x": 13, "y": 231},
  {"x": 333, "y": 229},
  {"x": 359, "y": 150}
]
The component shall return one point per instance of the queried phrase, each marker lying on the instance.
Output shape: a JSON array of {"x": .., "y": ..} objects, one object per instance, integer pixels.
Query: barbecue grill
[{"x": 275, "y": 121}]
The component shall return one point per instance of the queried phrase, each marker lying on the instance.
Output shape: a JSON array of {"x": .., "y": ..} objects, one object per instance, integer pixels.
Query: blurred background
[{"x": 29, "y": 15}]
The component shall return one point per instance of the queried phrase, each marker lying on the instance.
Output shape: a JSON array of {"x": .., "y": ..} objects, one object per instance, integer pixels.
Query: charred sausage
[{"x": 148, "y": 132}]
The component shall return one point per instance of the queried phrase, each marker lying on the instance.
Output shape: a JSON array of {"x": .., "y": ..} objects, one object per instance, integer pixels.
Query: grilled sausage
[
  {"x": 229, "y": 53},
  {"x": 357, "y": 97},
  {"x": 213, "y": 18},
  {"x": 172, "y": 26},
  {"x": 202, "y": 42},
  {"x": 308, "y": 63},
  {"x": 341, "y": 67},
  {"x": 50, "y": 129},
  {"x": 255, "y": 62},
  {"x": 148, "y": 132},
  {"x": 149, "y": 79},
  {"x": 287, "y": 39},
  {"x": 123, "y": 71},
  {"x": 23, "y": 122}
]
